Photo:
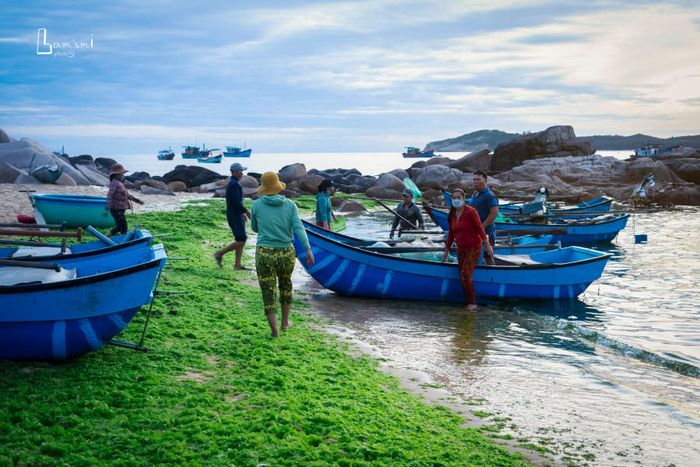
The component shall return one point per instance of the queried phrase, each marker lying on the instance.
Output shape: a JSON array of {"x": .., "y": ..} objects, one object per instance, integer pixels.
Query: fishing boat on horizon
[
  {"x": 235, "y": 151},
  {"x": 647, "y": 150},
  {"x": 166, "y": 154},
  {"x": 415, "y": 152}
]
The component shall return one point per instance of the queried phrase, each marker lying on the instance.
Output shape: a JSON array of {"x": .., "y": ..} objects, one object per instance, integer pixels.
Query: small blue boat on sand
[
  {"x": 347, "y": 270},
  {"x": 137, "y": 238},
  {"x": 235, "y": 151},
  {"x": 86, "y": 304},
  {"x": 74, "y": 210},
  {"x": 590, "y": 231}
]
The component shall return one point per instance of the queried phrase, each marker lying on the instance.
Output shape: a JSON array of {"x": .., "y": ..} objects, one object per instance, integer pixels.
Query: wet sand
[{"x": 14, "y": 201}]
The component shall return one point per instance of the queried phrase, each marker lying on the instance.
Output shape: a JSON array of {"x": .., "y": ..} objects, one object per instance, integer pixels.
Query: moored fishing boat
[
  {"x": 235, "y": 151},
  {"x": 74, "y": 210},
  {"x": 166, "y": 154},
  {"x": 191, "y": 152},
  {"x": 415, "y": 152},
  {"x": 349, "y": 270},
  {"x": 76, "y": 306},
  {"x": 210, "y": 159}
]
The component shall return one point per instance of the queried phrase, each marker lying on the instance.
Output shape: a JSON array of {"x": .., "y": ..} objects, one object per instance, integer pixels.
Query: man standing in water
[
  {"x": 236, "y": 215},
  {"x": 486, "y": 204},
  {"x": 408, "y": 211}
]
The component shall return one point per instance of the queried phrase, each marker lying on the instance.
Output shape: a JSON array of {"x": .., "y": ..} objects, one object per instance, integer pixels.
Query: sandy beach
[{"x": 14, "y": 201}]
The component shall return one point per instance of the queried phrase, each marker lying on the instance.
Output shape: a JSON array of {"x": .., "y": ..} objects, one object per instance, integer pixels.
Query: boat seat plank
[{"x": 515, "y": 260}]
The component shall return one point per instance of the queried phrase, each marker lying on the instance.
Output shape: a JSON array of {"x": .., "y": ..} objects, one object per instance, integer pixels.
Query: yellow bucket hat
[{"x": 270, "y": 184}]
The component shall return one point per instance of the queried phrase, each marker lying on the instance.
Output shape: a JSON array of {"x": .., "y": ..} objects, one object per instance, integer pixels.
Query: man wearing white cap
[{"x": 236, "y": 215}]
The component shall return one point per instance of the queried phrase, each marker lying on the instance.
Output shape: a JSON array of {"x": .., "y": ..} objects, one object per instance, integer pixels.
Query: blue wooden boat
[
  {"x": 137, "y": 238},
  {"x": 597, "y": 205},
  {"x": 591, "y": 231},
  {"x": 47, "y": 173},
  {"x": 166, "y": 154},
  {"x": 74, "y": 210},
  {"x": 210, "y": 159},
  {"x": 191, "y": 152},
  {"x": 92, "y": 303},
  {"x": 347, "y": 270},
  {"x": 515, "y": 246},
  {"x": 415, "y": 152},
  {"x": 235, "y": 151}
]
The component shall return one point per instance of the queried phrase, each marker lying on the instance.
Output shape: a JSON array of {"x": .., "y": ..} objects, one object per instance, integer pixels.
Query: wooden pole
[
  {"x": 395, "y": 213},
  {"x": 40, "y": 233}
]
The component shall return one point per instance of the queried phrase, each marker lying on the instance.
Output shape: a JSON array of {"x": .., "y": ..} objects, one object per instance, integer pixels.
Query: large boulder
[
  {"x": 351, "y": 206},
  {"x": 247, "y": 181},
  {"x": 292, "y": 172},
  {"x": 149, "y": 190},
  {"x": 477, "y": 160},
  {"x": 389, "y": 181},
  {"x": 310, "y": 183},
  {"x": 384, "y": 193},
  {"x": 436, "y": 176},
  {"x": 28, "y": 155},
  {"x": 4, "y": 137},
  {"x": 104, "y": 164},
  {"x": 192, "y": 175},
  {"x": 9, "y": 173},
  {"x": 438, "y": 160},
  {"x": 177, "y": 186},
  {"x": 686, "y": 168},
  {"x": 556, "y": 141},
  {"x": 134, "y": 177},
  {"x": 93, "y": 174},
  {"x": 399, "y": 173}
]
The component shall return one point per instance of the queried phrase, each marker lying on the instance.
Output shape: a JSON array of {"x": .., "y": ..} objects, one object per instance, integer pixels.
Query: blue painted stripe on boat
[
  {"x": 321, "y": 265},
  {"x": 556, "y": 291},
  {"x": 502, "y": 290},
  {"x": 385, "y": 285},
  {"x": 58, "y": 340},
  {"x": 118, "y": 321},
  {"x": 443, "y": 288},
  {"x": 358, "y": 276},
  {"x": 89, "y": 334},
  {"x": 338, "y": 273}
]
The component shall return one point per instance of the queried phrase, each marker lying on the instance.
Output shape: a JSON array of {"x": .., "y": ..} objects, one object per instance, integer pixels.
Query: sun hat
[
  {"x": 407, "y": 192},
  {"x": 117, "y": 169},
  {"x": 270, "y": 184},
  {"x": 235, "y": 167}
]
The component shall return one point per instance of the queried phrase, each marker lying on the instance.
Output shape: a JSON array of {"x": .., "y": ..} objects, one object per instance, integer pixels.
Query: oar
[
  {"x": 24, "y": 264},
  {"x": 40, "y": 233},
  {"x": 395, "y": 213}
]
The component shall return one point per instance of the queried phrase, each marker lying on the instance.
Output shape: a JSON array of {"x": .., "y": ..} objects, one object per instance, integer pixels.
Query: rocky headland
[{"x": 554, "y": 158}]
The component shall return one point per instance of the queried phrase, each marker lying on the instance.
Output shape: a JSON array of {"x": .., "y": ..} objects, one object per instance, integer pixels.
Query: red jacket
[{"x": 466, "y": 230}]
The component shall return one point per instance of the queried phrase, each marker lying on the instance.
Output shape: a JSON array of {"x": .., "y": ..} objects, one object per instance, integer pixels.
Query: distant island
[{"x": 491, "y": 138}]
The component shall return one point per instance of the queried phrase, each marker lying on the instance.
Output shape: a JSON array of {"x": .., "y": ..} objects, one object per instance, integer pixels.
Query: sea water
[{"x": 612, "y": 378}]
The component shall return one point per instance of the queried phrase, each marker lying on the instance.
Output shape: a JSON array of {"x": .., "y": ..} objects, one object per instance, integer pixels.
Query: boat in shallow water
[
  {"x": 353, "y": 271},
  {"x": 74, "y": 305},
  {"x": 235, "y": 151}
]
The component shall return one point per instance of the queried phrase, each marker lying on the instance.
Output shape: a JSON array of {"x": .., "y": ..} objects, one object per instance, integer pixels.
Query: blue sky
[{"x": 296, "y": 76}]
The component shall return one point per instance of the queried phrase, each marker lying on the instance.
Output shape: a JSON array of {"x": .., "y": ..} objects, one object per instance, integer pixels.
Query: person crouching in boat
[
  {"x": 324, "y": 210},
  {"x": 465, "y": 228},
  {"x": 118, "y": 199},
  {"x": 410, "y": 212}
]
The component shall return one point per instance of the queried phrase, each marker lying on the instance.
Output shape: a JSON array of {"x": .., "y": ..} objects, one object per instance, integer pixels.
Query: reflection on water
[{"x": 612, "y": 375}]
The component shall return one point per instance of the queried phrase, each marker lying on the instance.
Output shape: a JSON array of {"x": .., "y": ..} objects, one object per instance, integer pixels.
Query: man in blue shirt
[
  {"x": 236, "y": 215},
  {"x": 486, "y": 204}
]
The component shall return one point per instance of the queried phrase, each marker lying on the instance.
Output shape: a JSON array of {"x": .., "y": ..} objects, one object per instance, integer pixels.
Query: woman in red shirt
[{"x": 465, "y": 228}]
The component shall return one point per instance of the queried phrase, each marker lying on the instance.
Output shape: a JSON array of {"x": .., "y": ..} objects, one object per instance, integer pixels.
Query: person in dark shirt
[
  {"x": 485, "y": 203},
  {"x": 409, "y": 211},
  {"x": 118, "y": 199},
  {"x": 236, "y": 215}
]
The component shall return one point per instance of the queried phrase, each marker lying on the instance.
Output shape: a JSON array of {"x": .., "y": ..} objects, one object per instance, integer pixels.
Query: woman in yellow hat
[{"x": 276, "y": 220}]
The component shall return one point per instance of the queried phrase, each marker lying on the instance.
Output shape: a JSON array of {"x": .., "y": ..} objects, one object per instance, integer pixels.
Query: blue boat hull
[
  {"x": 591, "y": 233},
  {"x": 600, "y": 204},
  {"x": 210, "y": 160},
  {"x": 352, "y": 271},
  {"x": 62, "y": 320},
  {"x": 243, "y": 153},
  {"x": 135, "y": 239}
]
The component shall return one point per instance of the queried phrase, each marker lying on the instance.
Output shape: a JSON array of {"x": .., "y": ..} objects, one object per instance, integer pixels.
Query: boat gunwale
[
  {"x": 158, "y": 251},
  {"x": 81, "y": 254}
]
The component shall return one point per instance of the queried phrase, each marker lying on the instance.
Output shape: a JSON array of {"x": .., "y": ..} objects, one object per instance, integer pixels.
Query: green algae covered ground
[{"x": 215, "y": 389}]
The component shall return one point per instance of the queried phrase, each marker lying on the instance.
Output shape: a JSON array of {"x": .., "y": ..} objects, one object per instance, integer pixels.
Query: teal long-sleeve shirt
[
  {"x": 324, "y": 211},
  {"x": 276, "y": 220}
]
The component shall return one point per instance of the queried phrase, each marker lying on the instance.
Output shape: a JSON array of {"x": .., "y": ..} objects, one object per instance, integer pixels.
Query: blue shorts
[{"x": 238, "y": 229}]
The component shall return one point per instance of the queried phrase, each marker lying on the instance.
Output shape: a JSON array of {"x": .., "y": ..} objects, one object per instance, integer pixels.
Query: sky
[{"x": 129, "y": 77}]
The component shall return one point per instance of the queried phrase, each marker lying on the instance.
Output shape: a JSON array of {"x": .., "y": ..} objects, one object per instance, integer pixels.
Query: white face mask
[{"x": 457, "y": 203}]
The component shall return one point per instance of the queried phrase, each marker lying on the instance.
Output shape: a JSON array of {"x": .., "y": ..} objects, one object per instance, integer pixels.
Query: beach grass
[{"x": 214, "y": 388}]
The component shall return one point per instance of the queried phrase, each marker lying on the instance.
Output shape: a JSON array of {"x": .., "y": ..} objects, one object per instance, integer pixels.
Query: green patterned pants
[{"x": 274, "y": 265}]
